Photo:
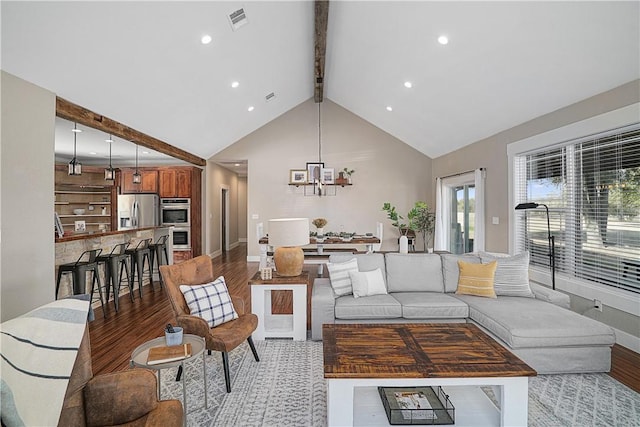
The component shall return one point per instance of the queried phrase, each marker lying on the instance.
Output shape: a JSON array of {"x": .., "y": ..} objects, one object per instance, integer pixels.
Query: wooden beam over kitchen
[
  {"x": 322, "y": 17},
  {"x": 75, "y": 113}
]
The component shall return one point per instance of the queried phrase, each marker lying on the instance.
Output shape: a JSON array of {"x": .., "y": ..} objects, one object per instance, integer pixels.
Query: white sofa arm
[
  {"x": 322, "y": 306},
  {"x": 549, "y": 295}
]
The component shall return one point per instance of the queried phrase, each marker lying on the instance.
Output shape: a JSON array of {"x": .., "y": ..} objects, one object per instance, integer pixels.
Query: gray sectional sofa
[{"x": 540, "y": 329}]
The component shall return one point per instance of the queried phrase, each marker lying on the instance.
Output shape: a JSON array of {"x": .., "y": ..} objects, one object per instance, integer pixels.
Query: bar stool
[
  {"x": 157, "y": 249},
  {"x": 116, "y": 258},
  {"x": 137, "y": 256},
  {"x": 78, "y": 270}
]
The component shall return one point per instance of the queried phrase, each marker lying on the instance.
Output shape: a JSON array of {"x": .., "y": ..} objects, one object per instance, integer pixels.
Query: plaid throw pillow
[{"x": 210, "y": 301}]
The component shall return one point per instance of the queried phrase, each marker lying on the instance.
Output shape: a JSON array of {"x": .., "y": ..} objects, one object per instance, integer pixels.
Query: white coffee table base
[
  {"x": 513, "y": 397},
  {"x": 279, "y": 325}
]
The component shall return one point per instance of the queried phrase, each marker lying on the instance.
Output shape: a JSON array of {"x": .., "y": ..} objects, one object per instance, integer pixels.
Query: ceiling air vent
[
  {"x": 237, "y": 19},
  {"x": 270, "y": 96}
]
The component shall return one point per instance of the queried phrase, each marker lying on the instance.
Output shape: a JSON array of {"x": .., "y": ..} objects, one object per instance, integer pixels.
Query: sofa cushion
[
  {"x": 366, "y": 262},
  {"x": 339, "y": 276},
  {"x": 528, "y": 322},
  {"x": 367, "y": 283},
  {"x": 431, "y": 305},
  {"x": 373, "y": 307},
  {"x": 476, "y": 279},
  {"x": 414, "y": 273},
  {"x": 512, "y": 274},
  {"x": 451, "y": 271}
]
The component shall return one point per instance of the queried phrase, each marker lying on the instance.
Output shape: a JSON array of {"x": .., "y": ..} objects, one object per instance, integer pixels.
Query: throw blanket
[{"x": 38, "y": 351}]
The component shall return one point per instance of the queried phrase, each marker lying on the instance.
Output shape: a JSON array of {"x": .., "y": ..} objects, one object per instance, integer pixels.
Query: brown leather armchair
[
  {"x": 125, "y": 398},
  {"x": 222, "y": 338}
]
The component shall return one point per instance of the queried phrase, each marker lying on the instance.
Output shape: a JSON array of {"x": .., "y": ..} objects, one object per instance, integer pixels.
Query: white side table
[
  {"x": 272, "y": 325},
  {"x": 141, "y": 353}
]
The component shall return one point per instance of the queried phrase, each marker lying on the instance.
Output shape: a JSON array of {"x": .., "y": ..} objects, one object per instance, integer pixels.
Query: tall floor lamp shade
[
  {"x": 286, "y": 235},
  {"x": 552, "y": 241}
]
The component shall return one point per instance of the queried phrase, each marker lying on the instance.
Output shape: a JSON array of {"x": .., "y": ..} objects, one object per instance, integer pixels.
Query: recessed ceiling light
[
  {"x": 93, "y": 153},
  {"x": 235, "y": 84},
  {"x": 236, "y": 164},
  {"x": 206, "y": 39},
  {"x": 443, "y": 39},
  {"x": 76, "y": 130},
  {"x": 389, "y": 108},
  {"x": 250, "y": 108},
  {"x": 109, "y": 140},
  {"x": 408, "y": 85},
  {"x": 145, "y": 152}
]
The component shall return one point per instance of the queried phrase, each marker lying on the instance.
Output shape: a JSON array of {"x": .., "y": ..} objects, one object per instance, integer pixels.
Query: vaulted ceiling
[{"x": 143, "y": 63}]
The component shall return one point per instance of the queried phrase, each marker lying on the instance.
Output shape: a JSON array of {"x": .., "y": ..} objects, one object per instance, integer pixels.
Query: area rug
[{"x": 286, "y": 388}]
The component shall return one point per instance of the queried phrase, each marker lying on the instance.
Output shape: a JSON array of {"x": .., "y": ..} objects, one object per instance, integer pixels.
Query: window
[{"x": 592, "y": 189}]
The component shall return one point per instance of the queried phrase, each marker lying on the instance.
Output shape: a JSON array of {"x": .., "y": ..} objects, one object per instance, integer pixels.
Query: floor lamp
[{"x": 552, "y": 241}]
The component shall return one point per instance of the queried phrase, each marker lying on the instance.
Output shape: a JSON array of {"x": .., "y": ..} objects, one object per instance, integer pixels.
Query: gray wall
[
  {"x": 27, "y": 252},
  {"x": 386, "y": 170},
  {"x": 492, "y": 154}
]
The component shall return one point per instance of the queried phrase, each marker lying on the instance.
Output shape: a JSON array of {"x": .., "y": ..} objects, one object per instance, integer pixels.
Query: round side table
[{"x": 140, "y": 354}]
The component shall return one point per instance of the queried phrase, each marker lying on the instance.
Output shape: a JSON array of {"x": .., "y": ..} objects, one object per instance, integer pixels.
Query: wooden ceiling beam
[
  {"x": 75, "y": 113},
  {"x": 321, "y": 18}
]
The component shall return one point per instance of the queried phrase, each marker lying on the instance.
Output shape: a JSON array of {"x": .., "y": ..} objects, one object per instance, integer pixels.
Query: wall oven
[
  {"x": 181, "y": 238},
  {"x": 175, "y": 212}
]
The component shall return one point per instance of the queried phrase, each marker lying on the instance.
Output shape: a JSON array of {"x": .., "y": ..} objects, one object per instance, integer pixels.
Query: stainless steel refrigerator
[{"x": 138, "y": 210}]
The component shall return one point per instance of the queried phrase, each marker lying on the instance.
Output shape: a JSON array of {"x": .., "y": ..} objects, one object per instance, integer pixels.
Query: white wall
[
  {"x": 27, "y": 251},
  {"x": 386, "y": 170}
]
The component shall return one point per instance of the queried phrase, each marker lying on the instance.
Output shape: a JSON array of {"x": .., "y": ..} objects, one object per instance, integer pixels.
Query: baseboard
[
  {"x": 215, "y": 253},
  {"x": 242, "y": 240},
  {"x": 234, "y": 245},
  {"x": 253, "y": 258},
  {"x": 627, "y": 340}
]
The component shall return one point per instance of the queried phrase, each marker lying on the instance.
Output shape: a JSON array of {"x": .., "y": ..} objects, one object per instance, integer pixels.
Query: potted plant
[
  {"x": 319, "y": 223},
  {"x": 393, "y": 215},
  {"x": 422, "y": 221},
  {"x": 348, "y": 173}
]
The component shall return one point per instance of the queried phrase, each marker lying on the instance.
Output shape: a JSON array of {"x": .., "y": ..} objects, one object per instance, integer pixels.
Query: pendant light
[
  {"x": 137, "y": 178},
  {"x": 75, "y": 168},
  {"x": 109, "y": 173},
  {"x": 317, "y": 179}
]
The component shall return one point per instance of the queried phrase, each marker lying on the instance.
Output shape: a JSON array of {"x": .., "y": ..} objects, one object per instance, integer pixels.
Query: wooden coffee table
[{"x": 399, "y": 355}]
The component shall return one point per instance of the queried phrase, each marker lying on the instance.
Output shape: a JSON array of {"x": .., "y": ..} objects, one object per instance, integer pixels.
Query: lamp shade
[{"x": 288, "y": 232}]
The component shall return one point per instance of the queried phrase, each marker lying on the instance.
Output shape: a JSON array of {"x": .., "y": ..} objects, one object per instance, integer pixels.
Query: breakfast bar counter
[{"x": 69, "y": 248}]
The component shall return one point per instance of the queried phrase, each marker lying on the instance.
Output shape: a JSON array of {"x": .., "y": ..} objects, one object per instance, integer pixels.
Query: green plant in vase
[{"x": 422, "y": 221}]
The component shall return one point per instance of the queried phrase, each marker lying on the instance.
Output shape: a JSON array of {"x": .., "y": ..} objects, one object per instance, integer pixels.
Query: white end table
[
  {"x": 280, "y": 325},
  {"x": 141, "y": 353}
]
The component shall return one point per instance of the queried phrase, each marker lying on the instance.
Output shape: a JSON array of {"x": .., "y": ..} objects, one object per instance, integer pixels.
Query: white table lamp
[{"x": 286, "y": 235}]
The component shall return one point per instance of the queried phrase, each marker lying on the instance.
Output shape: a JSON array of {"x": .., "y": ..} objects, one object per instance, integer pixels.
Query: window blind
[{"x": 592, "y": 189}]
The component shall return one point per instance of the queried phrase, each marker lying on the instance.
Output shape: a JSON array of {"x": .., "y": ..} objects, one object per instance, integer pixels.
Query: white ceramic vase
[{"x": 404, "y": 244}]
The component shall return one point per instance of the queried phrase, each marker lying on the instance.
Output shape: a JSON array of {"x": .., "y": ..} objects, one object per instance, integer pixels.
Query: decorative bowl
[{"x": 78, "y": 211}]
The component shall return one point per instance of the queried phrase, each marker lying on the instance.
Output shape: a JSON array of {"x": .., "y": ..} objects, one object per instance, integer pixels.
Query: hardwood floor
[{"x": 114, "y": 338}]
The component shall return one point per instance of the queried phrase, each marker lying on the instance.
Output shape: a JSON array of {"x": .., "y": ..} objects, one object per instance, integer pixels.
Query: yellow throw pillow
[{"x": 476, "y": 279}]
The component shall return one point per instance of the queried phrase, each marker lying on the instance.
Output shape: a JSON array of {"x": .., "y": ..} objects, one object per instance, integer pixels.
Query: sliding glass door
[
  {"x": 462, "y": 219},
  {"x": 460, "y": 213}
]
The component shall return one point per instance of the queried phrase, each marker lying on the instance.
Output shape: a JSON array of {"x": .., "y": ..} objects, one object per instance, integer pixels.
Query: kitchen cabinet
[
  {"x": 175, "y": 182},
  {"x": 148, "y": 184}
]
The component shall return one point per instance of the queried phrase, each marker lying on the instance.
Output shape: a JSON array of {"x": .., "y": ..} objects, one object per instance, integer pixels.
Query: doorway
[{"x": 224, "y": 219}]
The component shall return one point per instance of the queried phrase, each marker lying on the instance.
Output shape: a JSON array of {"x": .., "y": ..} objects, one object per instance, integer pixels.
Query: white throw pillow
[
  {"x": 339, "y": 275},
  {"x": 512, "y": 274},
  {"x": 367, "y": 283},
  {"x": 210, "y": 301}
]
